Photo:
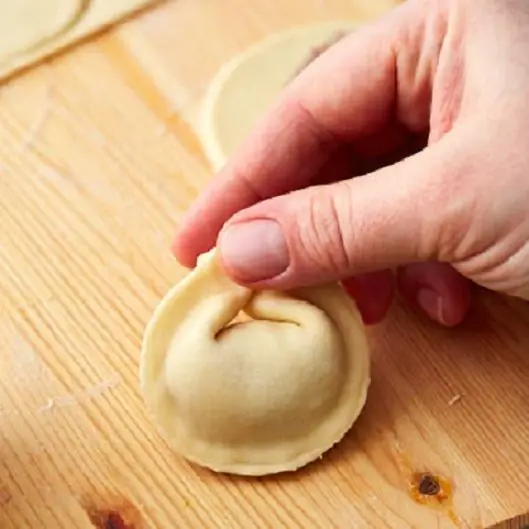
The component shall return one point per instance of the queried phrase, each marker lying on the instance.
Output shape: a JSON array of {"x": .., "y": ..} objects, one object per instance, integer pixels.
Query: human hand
[{"x": 428, "y": 106}]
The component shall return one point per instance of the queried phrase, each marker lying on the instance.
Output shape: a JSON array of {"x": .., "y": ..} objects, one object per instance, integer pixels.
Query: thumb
[{"x": 409, "y": 212}]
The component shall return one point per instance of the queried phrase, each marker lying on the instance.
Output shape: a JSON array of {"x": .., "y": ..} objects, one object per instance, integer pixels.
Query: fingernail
[
  {"x": 432, "y": 303},
  {"x": 254, "y": 251}
]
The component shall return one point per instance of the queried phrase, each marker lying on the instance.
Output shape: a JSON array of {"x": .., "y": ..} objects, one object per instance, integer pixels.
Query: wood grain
[{"x": 98, "y": 161}]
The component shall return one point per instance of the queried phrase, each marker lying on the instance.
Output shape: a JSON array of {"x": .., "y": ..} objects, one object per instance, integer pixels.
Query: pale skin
[{"x": 429, "y": 105}]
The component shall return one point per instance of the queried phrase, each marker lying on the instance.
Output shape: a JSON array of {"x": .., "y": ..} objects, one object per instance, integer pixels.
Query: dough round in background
[
  {"x": 26, "y": 24},
  {"x": 245, "y": 86},
  {"x": 265, "y": 395}
]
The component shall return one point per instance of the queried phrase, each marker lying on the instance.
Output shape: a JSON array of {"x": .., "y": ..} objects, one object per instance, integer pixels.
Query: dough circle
[
  {"x": 245, "y": 86},
  {"x": 26, "y": 24},
  {"x": 264, "y": 395}
]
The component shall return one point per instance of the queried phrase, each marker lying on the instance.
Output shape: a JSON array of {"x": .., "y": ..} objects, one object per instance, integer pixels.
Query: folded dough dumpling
[{"x": 265, "y": 394}]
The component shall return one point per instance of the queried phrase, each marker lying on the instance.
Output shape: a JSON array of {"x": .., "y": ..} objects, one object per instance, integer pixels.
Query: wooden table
[{"x": 98, "y": 160}]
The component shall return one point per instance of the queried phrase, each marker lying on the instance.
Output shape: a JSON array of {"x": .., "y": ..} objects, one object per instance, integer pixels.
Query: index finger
[{"x": 347, "y": 93}]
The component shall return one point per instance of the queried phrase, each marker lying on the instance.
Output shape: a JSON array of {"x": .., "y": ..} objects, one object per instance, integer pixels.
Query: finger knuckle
[
  {"x": 449, "y": 207},
  {"x": 321, "y": 233}
]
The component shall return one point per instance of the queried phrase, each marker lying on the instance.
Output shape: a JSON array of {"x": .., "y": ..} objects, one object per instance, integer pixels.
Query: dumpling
[{"x": 263, "y": 394}]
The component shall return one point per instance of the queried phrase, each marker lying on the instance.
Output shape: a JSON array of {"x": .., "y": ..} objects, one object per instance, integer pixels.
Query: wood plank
[{"x": 98, "y": 161}]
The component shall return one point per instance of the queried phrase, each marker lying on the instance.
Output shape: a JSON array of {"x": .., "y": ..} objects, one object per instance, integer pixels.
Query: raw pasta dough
[
  {"x": 246, "y": 85},
  {"x": 26, "y": 24},
  {"x": 32, "y": 30},
  {"x": 261, "y": 396}
]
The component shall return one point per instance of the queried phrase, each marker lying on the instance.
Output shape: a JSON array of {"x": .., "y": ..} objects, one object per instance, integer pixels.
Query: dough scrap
[
  {"x": 27, "y": 24},
  {"x": 246, "y": 85},
  {"x": 266, "y": 395}
]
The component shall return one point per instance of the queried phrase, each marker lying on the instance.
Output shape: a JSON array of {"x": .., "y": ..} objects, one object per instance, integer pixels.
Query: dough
[
  {"x": 32, "y": 30},
  {"x": 26, "y": 24},
  {"x": 245, "y": 86},
  {"x": 266, "y": 394}
]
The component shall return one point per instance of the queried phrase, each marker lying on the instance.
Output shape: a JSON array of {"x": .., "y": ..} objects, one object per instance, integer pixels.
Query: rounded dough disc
[
  {"x": 266, "y": 395},
  {"x": 25, "y": 24},
  {"x": 245, "y": 86}
]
